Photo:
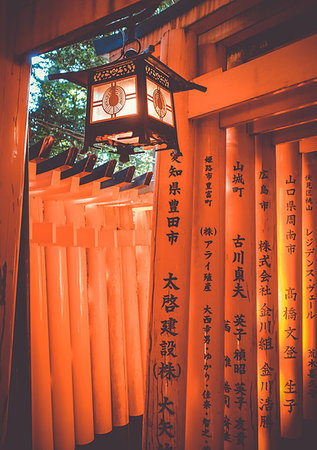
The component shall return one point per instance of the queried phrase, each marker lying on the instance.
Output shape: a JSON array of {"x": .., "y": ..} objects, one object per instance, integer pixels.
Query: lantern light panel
[{"x": 130, "y": 102}]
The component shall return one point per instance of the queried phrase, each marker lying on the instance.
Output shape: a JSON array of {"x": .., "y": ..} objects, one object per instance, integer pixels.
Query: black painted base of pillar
[{"x": 128, "y": 437}]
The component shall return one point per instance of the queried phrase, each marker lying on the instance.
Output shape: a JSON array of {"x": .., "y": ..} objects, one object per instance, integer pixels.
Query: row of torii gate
[{"x": 220, "y": 322}]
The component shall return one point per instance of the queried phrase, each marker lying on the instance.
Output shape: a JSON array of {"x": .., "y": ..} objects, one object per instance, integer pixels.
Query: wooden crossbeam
[
  {"x": 294, "y": 133},
  {"x": 60, "y": 161},
  {"x": 221, "y": 15},
  {"x": 140, "y": 181},
  {"x": 258, "y": 19},
  {"x": 268, "y": 105},
  {"x": 123, "y": 176},
  {"x": 103, "y": 171},
  {"x": 41, "y": 149},
  {"x": 84, "y": 165},
  {"x": 308, "y": 145},
  {"x": 268, "y": 74},
  {"x": 284, "y": 120}
]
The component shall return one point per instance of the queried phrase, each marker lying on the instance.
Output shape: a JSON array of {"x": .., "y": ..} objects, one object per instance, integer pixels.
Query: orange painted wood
[
  {"x": 308, "y": 145},
  {"x": 117, "y": 337},
  {"x": 59, "y": 335},
  {"x": 42, "y": 424},
  {"x": 66, "y": 235},
  {"x": 240, "y": 421},
  {"x": 43, "y": 232},
  {"x": 143, "y": 263},
  {"x": 14, "y": 80},
  {"x": 205, "y": 371},
  {"x": 309, "y": 316},
  {"x": 285, "y": 100},
  {"x": 131, "y": 317},
  {"x": 267, "y": 74},
  {"x": 164, "y": 418},
  {"x": 266, "y": 294},
  {"x": 288, "y": 179},
  {"x": 99, "y": 328},
  {"x": 67, "y": 23},
  {"x": 87, "y": 237},
  {"x": 79, "y": 330}
]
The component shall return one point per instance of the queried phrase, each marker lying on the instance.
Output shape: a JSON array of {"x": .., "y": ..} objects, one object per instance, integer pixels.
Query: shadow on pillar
[
  {"x": 128, "y": 437},
  {"x": 19, "y": 430}
]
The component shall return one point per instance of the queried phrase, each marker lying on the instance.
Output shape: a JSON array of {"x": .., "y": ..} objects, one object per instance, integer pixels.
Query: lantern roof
[{"x": 178, "y": 83}]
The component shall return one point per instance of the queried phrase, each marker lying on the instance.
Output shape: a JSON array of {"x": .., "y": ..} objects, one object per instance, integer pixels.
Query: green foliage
[
  {"x": 59, "y": 107},
  {"x": 60, "y": 102}
]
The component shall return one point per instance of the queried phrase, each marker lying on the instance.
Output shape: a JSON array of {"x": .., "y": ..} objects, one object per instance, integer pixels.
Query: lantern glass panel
[
  {"x": 113, "y": 100},
  {"x": 159, "y": 102}
]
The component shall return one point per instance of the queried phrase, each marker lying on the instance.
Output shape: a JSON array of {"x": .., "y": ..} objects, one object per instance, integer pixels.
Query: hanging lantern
[{"x": 130, "y": 103}]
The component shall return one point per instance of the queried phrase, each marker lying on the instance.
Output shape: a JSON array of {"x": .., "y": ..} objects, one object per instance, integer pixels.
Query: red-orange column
[
  {"x": 131, "y": 315},
  {"x": 13, "y": 116},
  {"x": 99, "y": 329},
  {"x": 240, "y": 385},
  {"x": 59, "y": 335},
  {"x": 143, "y": 262},
  {"x": 288, "y": 179},
  {"x": 79, "y": 328},
  {"x": 42, "y": 425},
  {"x": 267, "y": 294},
  {"x": 309, "y": 240},
  {"x": 164, "y": 418},
  {"x": 118, "y": 360},
  {"x": 204, "y": 400}
]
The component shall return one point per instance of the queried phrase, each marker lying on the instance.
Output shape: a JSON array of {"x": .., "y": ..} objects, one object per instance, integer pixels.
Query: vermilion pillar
[
  {"x": 204, "y": 401},
  {"x": 131, "y": 314},
  {"x": 309, "y": 240},
  {"x": 266, "y": 294},
  {"x": 288, "y": 170},
  {"x": 143, "y": 262},
  {"x": 164, "y": 418},
  {"x": 13, "y": 116},
  {"x": 117, "y": 337},
  {"x": 79, "y": 328},
  {"x": 99, "y": 329},
  {"x": 240, "y": 382},
  {"x": 59, "y": 335},
  {"x": 42, "y": 425}
]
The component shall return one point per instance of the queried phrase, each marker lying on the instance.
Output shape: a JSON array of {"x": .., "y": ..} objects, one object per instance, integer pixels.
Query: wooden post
[
  {"x": 118, "y": 361},
  {"x": 267, "y": 294},
  {"x": 99, "y": 329},
  {"x": 309, "y": 240},
  {"x": 59, "y": 335},
  {"x": 288, "y": 171},
  {"x": 42, "y": 426},
  {"x": 131, "y": 315},
  {"x": 240, "y": 421},
  {"x": 164, "y": 418},
  {"x": 79, "y": 329},
  {"x": 143, "y": 262},
  {"x": 205, "y": 372},
  {"x": 13, "y": 115}
]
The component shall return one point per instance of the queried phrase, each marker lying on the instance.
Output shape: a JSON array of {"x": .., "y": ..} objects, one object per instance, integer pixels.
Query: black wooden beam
[
  {"x": 104, "y": 171},
  {"x": 123, "y": 176},
  {"x": 110, "y": 43},
  {"x": 140, "y": 181},
  {"x": 84, "y": 165},
  {"x": 41, "y": 149},
  {"x": 66, "y": 158}
]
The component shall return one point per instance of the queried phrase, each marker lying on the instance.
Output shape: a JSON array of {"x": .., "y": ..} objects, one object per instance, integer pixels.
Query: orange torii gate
[
  {"x": 84, "y": 302},
  {"x": 232, "y": 348}
]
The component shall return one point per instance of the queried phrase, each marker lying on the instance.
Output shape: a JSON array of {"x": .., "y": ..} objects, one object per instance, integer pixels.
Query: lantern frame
[{"x": 144, "y": 129}]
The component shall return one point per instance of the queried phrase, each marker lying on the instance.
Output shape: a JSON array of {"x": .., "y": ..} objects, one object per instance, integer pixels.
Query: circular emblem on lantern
[
  {"x": 113, "y": 99},
  {"x": 159, "y": 103}
]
